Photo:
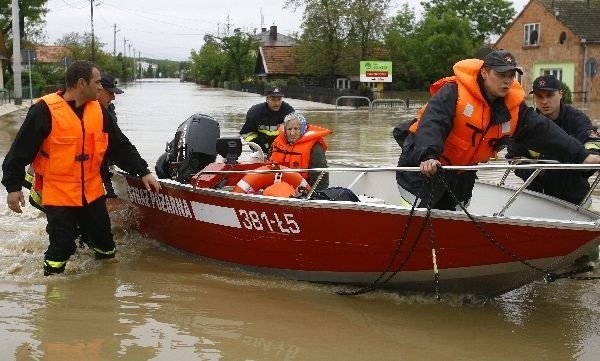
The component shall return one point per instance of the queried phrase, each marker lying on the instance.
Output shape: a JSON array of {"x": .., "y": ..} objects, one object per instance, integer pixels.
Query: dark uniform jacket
[
  {"x": 37, "y": 127},
  {"x": 263, "y": 122},
  {"x": 571, "y": 186},
  {"x": 534, "y": 131}
]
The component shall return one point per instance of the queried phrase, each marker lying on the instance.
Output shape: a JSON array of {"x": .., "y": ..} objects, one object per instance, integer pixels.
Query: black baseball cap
[
  {"x": 275, "y": 92},
  {"x": 546, "y": 82},
  {"x": 109, "y": 83},
  {"x": 501, "y": 61}
]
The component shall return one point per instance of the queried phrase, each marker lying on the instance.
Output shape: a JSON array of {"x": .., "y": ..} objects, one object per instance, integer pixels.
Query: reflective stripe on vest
[{"x": 472, "y": 139}]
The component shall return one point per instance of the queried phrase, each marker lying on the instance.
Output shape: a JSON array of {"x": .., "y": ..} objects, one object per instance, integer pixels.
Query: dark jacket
[
  {"x": 262, "y": 123},
  {"x": 37, "y": 127},
  {"x": 571, "y": 186},
  {"x": 534, "y": 131}
]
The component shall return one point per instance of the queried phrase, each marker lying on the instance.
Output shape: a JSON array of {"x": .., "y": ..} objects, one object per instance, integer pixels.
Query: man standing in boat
[
  {"x": 571, "y": 186},
  {"x": 64, "y": 137},
  {"x": 468, "y": 119},
  {"x": 262, "y": 120}
]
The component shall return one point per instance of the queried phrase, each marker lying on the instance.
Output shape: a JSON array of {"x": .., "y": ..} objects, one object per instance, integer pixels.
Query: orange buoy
[{"x": 255, "y": 182}]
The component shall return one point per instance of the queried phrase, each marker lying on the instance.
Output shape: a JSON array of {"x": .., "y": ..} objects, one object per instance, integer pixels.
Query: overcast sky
[{"x": 169, "y": 29}]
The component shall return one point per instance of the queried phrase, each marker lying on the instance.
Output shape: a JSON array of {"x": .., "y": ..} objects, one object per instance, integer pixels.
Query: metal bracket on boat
[
  {"x": 519, "y": 191},
  {"x": 589, "y": 193},
  {"x": 255, "y": 147}
]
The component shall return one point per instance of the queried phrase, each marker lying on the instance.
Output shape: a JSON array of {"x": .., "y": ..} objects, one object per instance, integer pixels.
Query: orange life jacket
[
  {"x": 297, "y": 154},
  {"x": 472, "y": 138},
  {"x": 68, "y": 162}
]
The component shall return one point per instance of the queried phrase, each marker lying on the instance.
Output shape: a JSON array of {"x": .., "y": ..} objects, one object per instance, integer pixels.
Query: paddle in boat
[{"x": 357, "y": 232}]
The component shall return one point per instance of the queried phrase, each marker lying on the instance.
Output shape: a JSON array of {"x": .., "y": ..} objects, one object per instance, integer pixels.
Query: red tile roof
[{"x": 279, "y": 60}]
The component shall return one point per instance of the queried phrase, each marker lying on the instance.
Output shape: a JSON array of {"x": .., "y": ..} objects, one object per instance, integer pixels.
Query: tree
[
  {"x": 368, "y": 22},
  {"x": 399, "y": 31},
  {"x": 31, "y": 20},
  {"x": 325, "y": 27},
  {"x": 239, "y": 49},
  {"x": 487, "y": 17},
  {"x": 438, "y": 43},
  {"x": 209, "y": 62}
]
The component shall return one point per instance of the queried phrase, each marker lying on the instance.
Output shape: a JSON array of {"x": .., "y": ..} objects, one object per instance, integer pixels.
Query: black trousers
[{"x": 92, "y": 218}]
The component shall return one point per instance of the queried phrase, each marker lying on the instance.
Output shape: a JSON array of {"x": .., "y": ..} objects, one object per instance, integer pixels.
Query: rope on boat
[
  {"x": 549, "y": 275},
  {"x": 379, "y": 281}
]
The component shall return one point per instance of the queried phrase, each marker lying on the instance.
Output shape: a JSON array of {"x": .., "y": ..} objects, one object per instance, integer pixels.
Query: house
[
  {"x": 51, "y": 54},
  {"x": 560, "y": 37},
  {"x": 275, "y": 59}
]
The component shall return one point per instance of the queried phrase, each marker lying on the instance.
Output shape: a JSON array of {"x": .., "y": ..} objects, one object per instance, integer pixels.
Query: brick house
[
  {"x": 560, "y": 37},
  {"x": 275, "y": 58}
]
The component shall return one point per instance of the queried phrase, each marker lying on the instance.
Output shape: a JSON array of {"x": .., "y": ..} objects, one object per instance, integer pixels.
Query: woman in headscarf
[{"x": 300, "y": 145}]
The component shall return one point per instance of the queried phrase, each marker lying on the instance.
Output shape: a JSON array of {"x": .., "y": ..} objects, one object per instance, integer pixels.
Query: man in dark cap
[
  {"x": 262, "y": 120},
  {"x": 468, "y": 119},
  {"x": 571, "y": 186},
  {"x": 105, "y": 97}
]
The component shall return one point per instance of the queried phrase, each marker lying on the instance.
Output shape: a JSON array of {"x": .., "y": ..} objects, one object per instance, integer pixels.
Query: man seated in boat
[
  {"x": 571, "y": 186},
  {"x": 301, "y": 145},
  {"x": 468, "y": 119},
  {"x": 263, "y": 119}
]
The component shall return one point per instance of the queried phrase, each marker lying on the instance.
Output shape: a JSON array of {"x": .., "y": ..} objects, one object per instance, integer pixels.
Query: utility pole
[
  {"x": 18, "y": 91},
  {"x": 115, "y": 42},
  {"x": 124, "y": 60},
  {"x": 92, "y": 22}
]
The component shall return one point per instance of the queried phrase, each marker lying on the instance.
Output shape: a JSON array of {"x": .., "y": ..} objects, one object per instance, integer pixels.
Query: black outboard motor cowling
[{"x": 192, "y": 148}]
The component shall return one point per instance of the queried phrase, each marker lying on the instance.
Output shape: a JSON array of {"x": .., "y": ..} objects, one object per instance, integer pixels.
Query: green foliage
[
  {"x": 293, "y": 81},
  {"x": 438, "y": 43},
  {"x": 567, "y": 94},
  {"x": 365, "y": 91},
  {"x": 487, "y": 17}
]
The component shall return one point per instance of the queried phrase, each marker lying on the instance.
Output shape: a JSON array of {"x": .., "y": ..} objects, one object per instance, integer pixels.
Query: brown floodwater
[{"x": 158, "y": 303}]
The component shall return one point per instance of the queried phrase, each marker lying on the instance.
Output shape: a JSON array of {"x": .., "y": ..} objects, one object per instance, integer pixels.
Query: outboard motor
[{"x": 192, "y": 149}]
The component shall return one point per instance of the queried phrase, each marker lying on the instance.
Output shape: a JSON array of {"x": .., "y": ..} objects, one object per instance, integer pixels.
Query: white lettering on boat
[
  {"x": 211, "y": 213},
  {"x": 162, "y": 202},
  {"x": 274, "y": 222}
]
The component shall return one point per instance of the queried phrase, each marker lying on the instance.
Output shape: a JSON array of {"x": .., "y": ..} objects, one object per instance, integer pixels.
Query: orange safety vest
[
  {"x": 297, "y": 155},
  {"x": 68, "y": 162},
  {"x": 472, "y": 137}
]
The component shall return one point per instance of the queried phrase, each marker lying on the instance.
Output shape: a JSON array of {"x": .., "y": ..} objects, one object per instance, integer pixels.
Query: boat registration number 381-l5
[{"x": 274, "y": 222}]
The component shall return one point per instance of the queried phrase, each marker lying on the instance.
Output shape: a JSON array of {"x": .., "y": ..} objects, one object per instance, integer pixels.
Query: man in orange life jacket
[
  {"x": 65, "y": 137},
  {"x": 467, "y": 120},
  {"x": 300, "y": 145}
]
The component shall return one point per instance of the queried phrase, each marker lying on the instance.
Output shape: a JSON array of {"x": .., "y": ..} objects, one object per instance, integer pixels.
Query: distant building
[
  {"x": 275, "y": 58},
  {"x": 52, "y": 54},
  {"x": 560, "y": 37}
]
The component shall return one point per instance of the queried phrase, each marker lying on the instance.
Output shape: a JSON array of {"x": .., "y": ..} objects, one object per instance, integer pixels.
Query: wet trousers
[{"x": 92, "y": 219}]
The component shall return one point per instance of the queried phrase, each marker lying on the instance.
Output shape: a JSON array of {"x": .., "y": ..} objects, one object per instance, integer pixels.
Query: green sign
[{"x": 376, "y": 71}]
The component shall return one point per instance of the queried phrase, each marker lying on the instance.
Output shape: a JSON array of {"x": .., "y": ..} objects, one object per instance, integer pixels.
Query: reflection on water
[{"x": 157, "y": 303}]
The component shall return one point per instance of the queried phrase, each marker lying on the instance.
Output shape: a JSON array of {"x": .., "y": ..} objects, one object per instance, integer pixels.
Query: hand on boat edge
[
  {"x": 150, "y": 182},
  {"x": 592, "y": 159},
  {"x": 429, "y": 167}
]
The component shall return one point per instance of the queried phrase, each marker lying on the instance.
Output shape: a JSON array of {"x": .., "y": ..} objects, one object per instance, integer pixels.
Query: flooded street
[{"x": 158, "y": 303}]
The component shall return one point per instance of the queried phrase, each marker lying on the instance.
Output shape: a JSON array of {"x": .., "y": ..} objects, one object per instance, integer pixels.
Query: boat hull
[{"x": 354, "y": 243}]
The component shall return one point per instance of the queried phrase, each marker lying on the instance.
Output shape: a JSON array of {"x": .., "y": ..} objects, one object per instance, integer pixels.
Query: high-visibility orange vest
[
  {"x": 468, "y": 142},
  {"x": 297, "y": 155},
  {"x": 67, "y": 165}
]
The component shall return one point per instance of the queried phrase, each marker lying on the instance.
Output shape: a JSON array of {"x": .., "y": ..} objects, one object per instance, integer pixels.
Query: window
[
  {"x": 531, "y": 35},
  {"x": 556, "y": 72},
  {"x": 343, "y": 83}
]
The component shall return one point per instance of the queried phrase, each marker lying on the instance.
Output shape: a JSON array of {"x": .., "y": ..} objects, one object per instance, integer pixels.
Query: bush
[
  {"x": 365, "y": 91},
  {"x": 567, "y": 94},
  {"x": 293, "y": 81}
]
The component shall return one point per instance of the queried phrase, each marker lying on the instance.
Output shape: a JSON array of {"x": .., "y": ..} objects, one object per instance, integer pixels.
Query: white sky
[{"x": 169, "y": 29}]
